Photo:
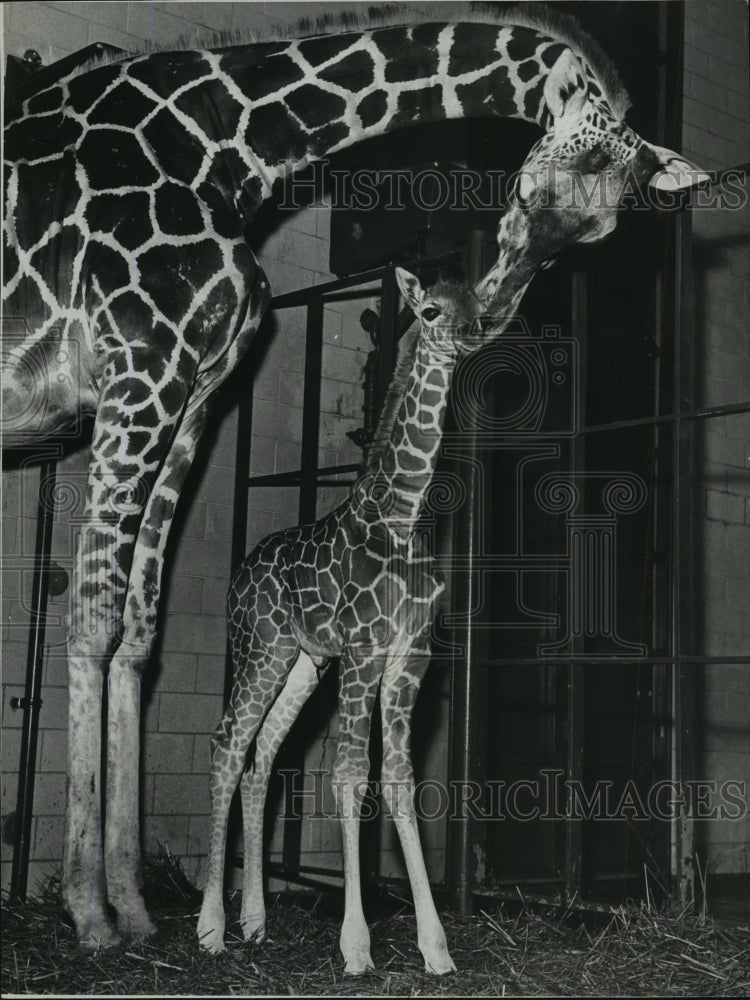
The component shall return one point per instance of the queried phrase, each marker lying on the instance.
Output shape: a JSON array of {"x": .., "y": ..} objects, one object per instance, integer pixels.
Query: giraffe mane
[{"x": 537, "y": 16}]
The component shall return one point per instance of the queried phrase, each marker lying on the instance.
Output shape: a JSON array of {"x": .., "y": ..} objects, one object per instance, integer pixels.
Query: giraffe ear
[
  {"x": 410, "y": 288},
  {"x": 672, "y": 172},
  {"x": 565, "y": 89}
]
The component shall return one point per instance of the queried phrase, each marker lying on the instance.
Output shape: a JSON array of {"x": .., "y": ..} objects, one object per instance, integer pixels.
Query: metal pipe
[
  {"x": 31, "y": 702},
  {"x": 467, "y": 740}
]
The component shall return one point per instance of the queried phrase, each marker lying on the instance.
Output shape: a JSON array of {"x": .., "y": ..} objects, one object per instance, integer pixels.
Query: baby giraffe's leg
[
  {"x": 398, "y": 693},
  {"x": 256, "y": 685},
  {"x": 359, "y": 677},
  {"x": 300, "y": 684}
]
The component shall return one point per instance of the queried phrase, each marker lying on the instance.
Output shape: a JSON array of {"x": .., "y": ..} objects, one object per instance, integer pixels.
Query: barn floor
[{"x": 632, "y": 952}]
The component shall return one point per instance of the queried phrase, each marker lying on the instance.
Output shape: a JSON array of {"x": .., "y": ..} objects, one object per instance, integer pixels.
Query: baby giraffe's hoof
[
  {"x": 254, "y": 928},
  {"x": 211, "y": 936},
  {"x": 437, "y": 959},
  {"x": 359, "y": 965}
]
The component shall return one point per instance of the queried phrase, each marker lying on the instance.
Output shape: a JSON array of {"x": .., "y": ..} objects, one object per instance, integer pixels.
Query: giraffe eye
[{"x": 430, "y": 313}]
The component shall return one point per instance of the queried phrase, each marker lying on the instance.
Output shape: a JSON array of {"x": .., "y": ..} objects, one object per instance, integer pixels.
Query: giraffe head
[
  {"x": 572, "y": 183},
  {"x": 449, "y": 314}
]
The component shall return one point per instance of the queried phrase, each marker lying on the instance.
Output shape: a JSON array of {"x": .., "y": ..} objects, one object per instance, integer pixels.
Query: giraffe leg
[
  {"x": 100, "y": 618},
  {"x": 123, "y": 840},
  {"x": 358, "y": 684},
  {"x": 300, "y": 684},
  {"x": 84, "y": 890},
  {"x": 398, "y": 693},
  {"x": 255, "y": 688}
]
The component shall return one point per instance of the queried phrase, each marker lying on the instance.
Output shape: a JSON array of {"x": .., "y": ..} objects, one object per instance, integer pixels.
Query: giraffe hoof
[
  {"x": 359, "y": 965},
  {"x": 211, "y": 936},
  {"x": 135, "y": 927},
  {"x": 439, "y": 962},
  {"x": 99, "y": 938},
  {"x": 253, "y": 929}
]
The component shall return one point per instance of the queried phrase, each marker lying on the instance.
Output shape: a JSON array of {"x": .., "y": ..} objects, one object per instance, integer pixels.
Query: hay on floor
[{"x": 634, "y": 951}]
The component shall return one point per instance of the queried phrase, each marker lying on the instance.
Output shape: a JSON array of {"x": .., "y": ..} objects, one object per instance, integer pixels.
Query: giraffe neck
[
  {"x": 400, "y": 473},
  {"x": 310, "y": 97}
]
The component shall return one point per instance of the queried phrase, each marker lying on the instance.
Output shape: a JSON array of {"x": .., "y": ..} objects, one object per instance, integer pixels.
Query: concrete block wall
[{"x": 716, "y": 134}]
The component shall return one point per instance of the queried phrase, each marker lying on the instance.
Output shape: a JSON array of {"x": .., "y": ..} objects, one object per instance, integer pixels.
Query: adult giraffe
[{"x": 129, "y": 187}]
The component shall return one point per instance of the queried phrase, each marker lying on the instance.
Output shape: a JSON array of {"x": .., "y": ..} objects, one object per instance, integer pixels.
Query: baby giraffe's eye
[{"x": 430, "y": 313}]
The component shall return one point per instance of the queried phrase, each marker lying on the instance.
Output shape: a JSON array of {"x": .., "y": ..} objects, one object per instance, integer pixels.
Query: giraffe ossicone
[
  {"x": 129, "y": 186},
  {"x": 361, "y": 585}
]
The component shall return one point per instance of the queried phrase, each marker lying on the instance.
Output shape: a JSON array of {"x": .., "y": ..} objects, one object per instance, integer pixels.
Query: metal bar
[
  {"x": 292, "y": 843},
  {"x": 468, "y": 737},
  {"x": 295, "y": 477},
  {"x": 302, "y": 296},
  {"x": 683, "y": 693},
  {"x": 32, "y": 695},
  {"x": 706, "y": 413},
  {"x": 311, "y": 411},
  {"x": 499, "y": 661},
  {"x": 575, "y": 731}
]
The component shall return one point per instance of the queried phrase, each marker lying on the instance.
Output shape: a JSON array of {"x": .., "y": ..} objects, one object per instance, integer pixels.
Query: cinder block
[
  {"x": 199, "y": 829},
  {"x": 65, "y": 28},
  {"x": 181, "y": 795},
  {"x": 725, "y": 507},
  {"x": 114, "y": 15},
  {"x": 153, "y": 25},
  {"x": 215, "y": 596},
  {"x": 291, "y": 390},
  {"x": 262, "y": 454},
  {"x": 54, "y": 750},
  {"x": 48, "y": 839},
  {"x": 277, "y": 420},
  {"x": 11, "y": 547},
  {"x": 193, "y": 713},
  {"x": 195, "y": 521},
  {"x": 165, "y": 831},
  {"x": 210, "y": 673},
  {"x": 49, "y": 794},
  {"x": 259, "y": 524},
  {"x": 202, "y": 558},
  {"x": 193, "y": 634},
  {"x": 266, "y": 381},
  {"x": 176, "y": 672},
  {"x": 201, "y": 756},
  {"x": 216, "y": 16},
  {"x": 282, "y": 499},
  {"x": 167, "y": 753},
  {"x": 184, "y": 593},
  {"x": 14, "y": 663},
  {"x": 219, "y": 522}
]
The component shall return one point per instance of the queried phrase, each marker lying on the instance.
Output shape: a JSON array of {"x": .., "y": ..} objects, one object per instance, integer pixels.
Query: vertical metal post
[
  {"x": 31, "y": 702},
  {"x": 307, "y": 507},
  {"x": 575, "y": 714},
  {"x": 468, "y": 742},
  {"x": 683, "y": 687}
]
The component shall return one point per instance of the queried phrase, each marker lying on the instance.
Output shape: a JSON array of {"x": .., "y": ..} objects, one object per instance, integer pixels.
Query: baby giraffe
[{"x": 359, "y": 584}]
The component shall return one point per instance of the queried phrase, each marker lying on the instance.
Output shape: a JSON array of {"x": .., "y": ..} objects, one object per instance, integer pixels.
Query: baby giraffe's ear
[{"x": 410, "y": 288}]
